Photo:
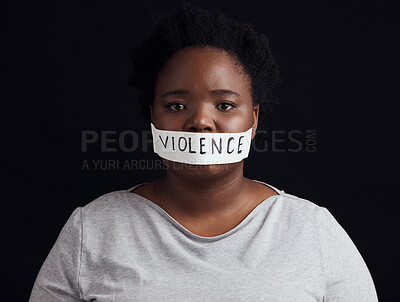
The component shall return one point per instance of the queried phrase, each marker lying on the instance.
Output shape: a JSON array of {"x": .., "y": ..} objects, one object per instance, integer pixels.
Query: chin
[{"x": 200, "y": 170}]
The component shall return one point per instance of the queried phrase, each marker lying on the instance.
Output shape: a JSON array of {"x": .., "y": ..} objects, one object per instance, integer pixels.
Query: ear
[{"x": 256, "y": 111}]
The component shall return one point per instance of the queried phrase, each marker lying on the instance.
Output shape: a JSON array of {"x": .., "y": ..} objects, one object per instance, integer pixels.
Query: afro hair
[{"x": 190, "y": 26}]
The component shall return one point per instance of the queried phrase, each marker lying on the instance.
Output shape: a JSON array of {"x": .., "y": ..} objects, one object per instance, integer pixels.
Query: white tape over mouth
[{"x": 196, "y": 148}]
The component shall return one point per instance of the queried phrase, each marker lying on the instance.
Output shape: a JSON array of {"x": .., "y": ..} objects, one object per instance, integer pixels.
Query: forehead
[{"x": 203, "y": 68}]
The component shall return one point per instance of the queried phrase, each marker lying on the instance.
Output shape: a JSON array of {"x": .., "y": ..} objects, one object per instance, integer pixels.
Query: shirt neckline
[{"x": 204, "y": 238}]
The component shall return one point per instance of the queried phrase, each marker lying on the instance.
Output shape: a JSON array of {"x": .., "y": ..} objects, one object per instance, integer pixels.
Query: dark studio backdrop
[{"x": 64, "y": 81}]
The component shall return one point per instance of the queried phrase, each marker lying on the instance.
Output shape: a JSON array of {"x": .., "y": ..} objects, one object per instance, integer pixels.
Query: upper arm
[
  {"x": 58, "y": 278},
  {"x": 347, "y": 278}
]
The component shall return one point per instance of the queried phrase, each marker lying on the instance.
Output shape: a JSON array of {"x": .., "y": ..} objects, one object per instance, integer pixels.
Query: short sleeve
[
  {"x": 58, "y": 277},
  {"x": 347, "y": 278}
]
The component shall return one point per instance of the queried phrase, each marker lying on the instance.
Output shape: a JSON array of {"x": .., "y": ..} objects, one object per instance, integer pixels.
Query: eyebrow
[
  {"x": 175, "y": 92},
  {"x": 224, "y": 91},
  {"x": 214, "y": 92}
]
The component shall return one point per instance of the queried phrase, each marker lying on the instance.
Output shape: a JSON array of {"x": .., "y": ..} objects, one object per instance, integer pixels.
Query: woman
[{"x": 204, "y": 232}]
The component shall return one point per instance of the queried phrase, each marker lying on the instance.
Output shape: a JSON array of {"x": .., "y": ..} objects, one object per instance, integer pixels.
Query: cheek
[
  {"x": 238, "y": 122},
  {"x": 163, "y": 120}
]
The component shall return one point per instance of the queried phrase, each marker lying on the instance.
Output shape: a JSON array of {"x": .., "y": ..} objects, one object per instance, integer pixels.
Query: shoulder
[
  {"x": 118, "y": 203},
  {"x": 118, "y": 212},
  {"x": 289, "y": 201},
  {"x": 295, "y": 211},
  {"x": 294, "y": 202},
  {"x": 292, "y": 208},
  {"x": 319, "y": 217}
]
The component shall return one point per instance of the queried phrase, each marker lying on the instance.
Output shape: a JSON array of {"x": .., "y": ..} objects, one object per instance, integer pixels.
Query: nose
[{"x": 200, "y": 120}]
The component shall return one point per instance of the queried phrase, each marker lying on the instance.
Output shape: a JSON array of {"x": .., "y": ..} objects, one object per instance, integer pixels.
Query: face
[{"x": 203, "y": 90}]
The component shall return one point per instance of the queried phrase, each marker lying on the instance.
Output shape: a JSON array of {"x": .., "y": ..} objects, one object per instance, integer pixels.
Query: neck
[{"x": 206, "y": 197}]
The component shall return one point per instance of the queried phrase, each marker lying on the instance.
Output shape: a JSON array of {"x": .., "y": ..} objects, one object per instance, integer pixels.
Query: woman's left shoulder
[
  {"x": 300, "y": 206},
  {"x": 299, "y": 202},
  {"x": 289, "y": 200},
  {"x": 308, "y": 209}
]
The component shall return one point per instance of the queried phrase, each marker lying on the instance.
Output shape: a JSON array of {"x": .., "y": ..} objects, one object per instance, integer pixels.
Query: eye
[
  {"x": 225, "y": 106},
  {"x": 175, "y": 106}
]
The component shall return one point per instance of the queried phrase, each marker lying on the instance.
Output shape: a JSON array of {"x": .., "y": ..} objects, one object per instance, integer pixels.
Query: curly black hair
[{"x": 190, "y": 26}]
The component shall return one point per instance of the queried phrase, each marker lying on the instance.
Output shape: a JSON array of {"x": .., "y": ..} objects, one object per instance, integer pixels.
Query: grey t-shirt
[{"x": 123, "y": 247}]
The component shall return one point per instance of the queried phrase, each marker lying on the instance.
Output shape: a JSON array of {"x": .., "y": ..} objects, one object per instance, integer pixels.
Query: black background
[{"x": 64, "y": 70}]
